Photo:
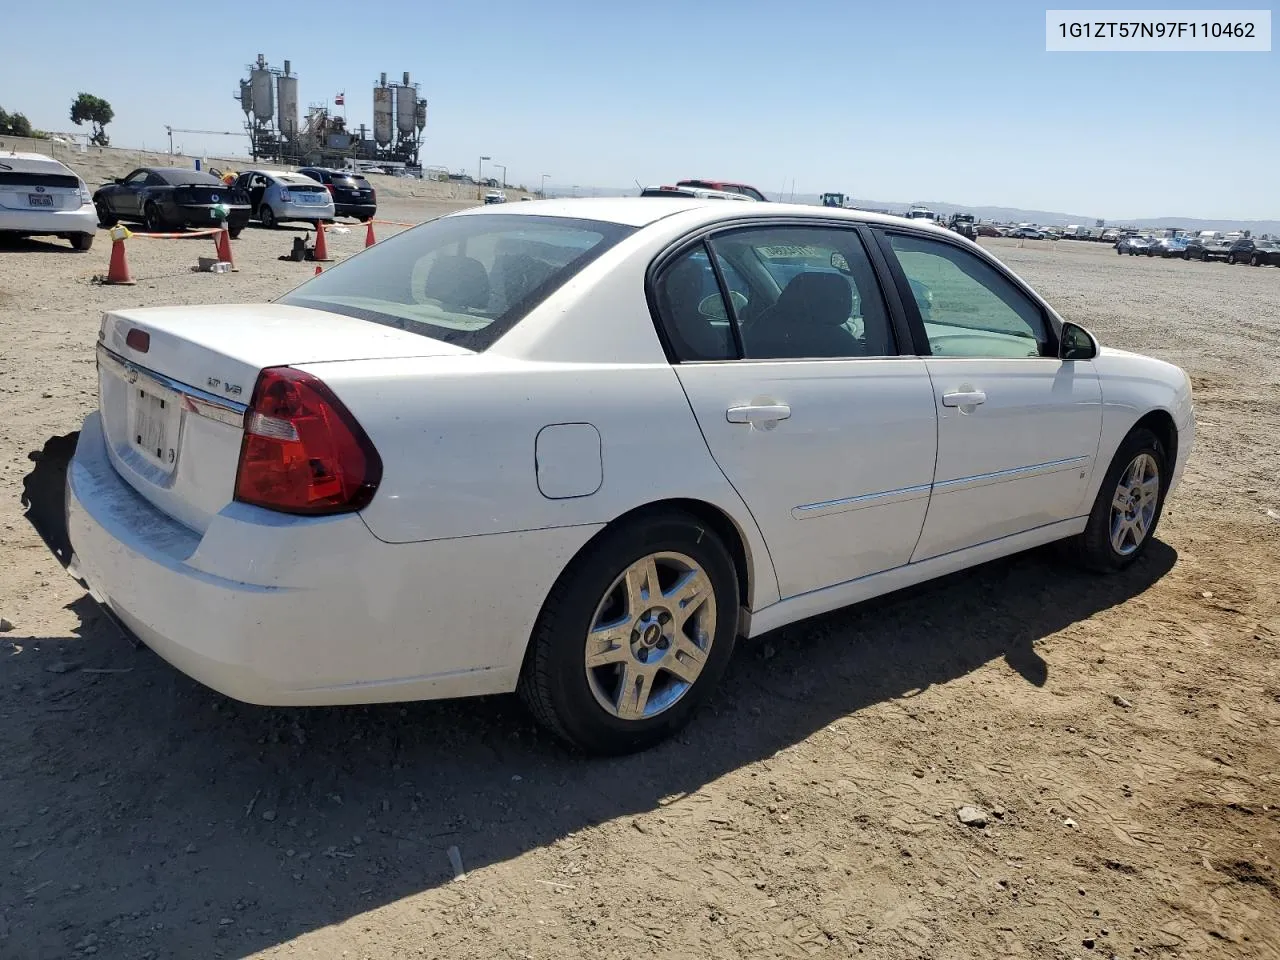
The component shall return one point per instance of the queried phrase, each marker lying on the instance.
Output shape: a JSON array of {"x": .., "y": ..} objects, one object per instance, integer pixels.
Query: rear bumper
[
  {"x": 304, "y": 611},
  {"x": 84, "y": 219},
  {"x": 203, "y": 215},
  {"x": 303, "y": 211},
  {"x": 355, "y": 209}
]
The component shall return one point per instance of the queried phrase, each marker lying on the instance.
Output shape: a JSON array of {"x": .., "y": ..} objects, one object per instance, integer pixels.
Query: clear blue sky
[{"x": 900, "y": 101}]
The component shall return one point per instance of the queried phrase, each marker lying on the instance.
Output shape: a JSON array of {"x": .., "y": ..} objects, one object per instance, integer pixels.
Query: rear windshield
[
  {"x": 18, "y": 178},
  {"x": 465, "y": 280},
  {"x": 185, "y": 177},
  {"x": 349, "y": 180}
]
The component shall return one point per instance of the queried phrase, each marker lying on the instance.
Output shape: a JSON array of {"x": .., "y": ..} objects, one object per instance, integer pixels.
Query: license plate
[
  {"x": 40, "y": 199},
  {"x": 156, "y": 420},
  {"x": 308, "y": 198}
]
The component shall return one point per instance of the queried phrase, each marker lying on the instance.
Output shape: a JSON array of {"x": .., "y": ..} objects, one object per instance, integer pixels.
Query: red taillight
[
  {"x": 373, "y": 194},
  {"x": 329, "y": 187},
  {"x": 138, "y": 340},
  {"x": 302, "y": 451}
]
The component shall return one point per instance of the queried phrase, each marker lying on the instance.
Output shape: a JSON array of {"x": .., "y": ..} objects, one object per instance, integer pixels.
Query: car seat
[
  {"x": 458, "y": 282},
  {"x": 807, "y": 321}
]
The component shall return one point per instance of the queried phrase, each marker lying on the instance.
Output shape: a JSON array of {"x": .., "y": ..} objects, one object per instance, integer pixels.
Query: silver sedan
[{"x": 276, "y": 196}]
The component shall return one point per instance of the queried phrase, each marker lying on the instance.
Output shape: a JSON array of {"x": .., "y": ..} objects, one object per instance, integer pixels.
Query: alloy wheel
[
  {"x": 650, "y": 636},
  {"x": 1133, "y": 506}
]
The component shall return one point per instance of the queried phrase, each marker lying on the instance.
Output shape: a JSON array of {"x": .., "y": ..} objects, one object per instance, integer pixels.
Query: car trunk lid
[{"x": 174, "y": 383}]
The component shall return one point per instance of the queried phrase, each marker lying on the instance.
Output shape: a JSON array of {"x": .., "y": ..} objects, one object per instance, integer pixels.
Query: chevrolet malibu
[{"x": 576, "y": 448}]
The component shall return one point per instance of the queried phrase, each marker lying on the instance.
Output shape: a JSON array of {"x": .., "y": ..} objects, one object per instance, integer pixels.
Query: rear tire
[
  {"x": 81, "y": 241},
  {"x": 1127, "y": 510},
  {"x": 152, "y": 219},
  {"x": 234, "y": 232},
  {"x": 605, "y": 590}
]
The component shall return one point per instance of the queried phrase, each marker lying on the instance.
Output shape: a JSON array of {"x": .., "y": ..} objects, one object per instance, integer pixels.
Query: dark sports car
[{"x": 164, "y": 198}]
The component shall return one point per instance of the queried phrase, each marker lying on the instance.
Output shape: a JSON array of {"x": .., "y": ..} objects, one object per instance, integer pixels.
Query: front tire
[
  {"x": 634, "y": 635},
  {"x": 105, "y": 217},
  {"x": 1123, "y": 520}
]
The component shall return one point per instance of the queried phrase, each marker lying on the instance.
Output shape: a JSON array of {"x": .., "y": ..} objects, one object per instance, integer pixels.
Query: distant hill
[{"x": 1046, "y": 218}]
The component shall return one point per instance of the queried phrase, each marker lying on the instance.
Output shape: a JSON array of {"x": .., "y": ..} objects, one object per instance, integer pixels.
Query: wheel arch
[{"x": 1161, "y": 423}]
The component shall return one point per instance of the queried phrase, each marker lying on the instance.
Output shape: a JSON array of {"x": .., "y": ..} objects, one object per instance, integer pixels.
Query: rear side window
[{"x": 464, "y": 279}]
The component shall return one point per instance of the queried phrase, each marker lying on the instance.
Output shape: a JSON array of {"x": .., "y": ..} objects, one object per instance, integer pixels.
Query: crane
[{"x": 211, "y": 133}]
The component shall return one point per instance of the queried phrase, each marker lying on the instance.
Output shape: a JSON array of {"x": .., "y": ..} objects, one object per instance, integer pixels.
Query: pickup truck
[{"x": 1207, "y": 248}]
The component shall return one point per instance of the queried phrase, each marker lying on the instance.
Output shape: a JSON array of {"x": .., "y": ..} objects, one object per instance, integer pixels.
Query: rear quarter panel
[{"x": 457, "y": 437}]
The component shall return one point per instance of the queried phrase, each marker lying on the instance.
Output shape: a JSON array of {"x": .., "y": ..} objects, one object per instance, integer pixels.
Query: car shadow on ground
[
  {"x": 157, "y": 815},
  {"x": 9, "y": 244}
]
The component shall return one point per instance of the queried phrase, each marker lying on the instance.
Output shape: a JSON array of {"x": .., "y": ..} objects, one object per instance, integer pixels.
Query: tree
[
  {"x": 95, "y": 110},
  {"x": 14, "y": 124}
]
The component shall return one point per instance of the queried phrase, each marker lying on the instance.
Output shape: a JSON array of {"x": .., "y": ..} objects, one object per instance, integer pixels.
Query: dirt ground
[{"x": 1121, "y": 735}]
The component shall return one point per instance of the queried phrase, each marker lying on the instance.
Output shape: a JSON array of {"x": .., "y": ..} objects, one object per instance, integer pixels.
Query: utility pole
[
  {"x": 480, "y": 178},
  {"x": 544, "y": 185}
]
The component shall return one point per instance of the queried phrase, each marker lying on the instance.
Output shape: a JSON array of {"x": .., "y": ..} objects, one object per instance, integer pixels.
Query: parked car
[
  {"x": 495, "y": 196},
  {"x": 165, "y": 198},
  {"x": 1206, "y": 248},
  {"x": 725, "y": 185},
  {"x": 694, "y": 192},
  {"x": 1134, "y": 245},
  {"x": 1167, "y": 247},
  {"x": 1255, "y": 252},
  {"x": 603, "y": 516},
  {"x": 276, "y": 196},
  {"x": 1109, "y": 236},
  {"x": 1028, "y": 233},
  {"x": 41, "y": 197},
  {"x": 987, "y": 230},
  {"x": 353, "y": 195}
]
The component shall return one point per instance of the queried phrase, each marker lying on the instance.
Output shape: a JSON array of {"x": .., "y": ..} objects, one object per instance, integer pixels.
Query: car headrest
[
  {"x": 821, "y": 299},
  {"x": 459, "y": 282}
]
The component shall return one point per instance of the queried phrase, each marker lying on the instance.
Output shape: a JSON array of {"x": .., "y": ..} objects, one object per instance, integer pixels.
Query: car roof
[
  {"x": 642, "y": 211},
  {"x": 31, "y": 163}
]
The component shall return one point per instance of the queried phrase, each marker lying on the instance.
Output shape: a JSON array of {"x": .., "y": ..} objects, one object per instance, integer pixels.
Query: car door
[
  {"x": 1018, "y": 428},
  {"x": 787, "y": 350},
  {"x": 125, "y": 198}
]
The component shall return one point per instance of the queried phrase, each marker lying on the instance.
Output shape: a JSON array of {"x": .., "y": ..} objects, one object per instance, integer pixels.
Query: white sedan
[
  {"x": 576, "y": 448},
  {"x": 40, "y": 196}
]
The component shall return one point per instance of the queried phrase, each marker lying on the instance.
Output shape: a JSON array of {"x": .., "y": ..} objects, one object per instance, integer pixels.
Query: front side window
[
  {"x": 969, "y": 309},
  {"x": 463, "y": 279}
]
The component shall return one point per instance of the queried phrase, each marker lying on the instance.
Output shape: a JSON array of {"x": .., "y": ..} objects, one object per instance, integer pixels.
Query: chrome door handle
[
  {"x": 759, "y": 413},
  {"x": 963, "y": 398}
]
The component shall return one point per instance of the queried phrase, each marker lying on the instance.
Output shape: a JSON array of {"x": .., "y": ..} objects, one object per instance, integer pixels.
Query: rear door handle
[
  {"x": 759, "y": 413},
  {"x": 963, "y": 398}
]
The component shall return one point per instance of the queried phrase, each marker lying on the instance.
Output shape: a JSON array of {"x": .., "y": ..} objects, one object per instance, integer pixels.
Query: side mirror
[
  {"x": 116, "y": 180},
  {"x": 1076, "y": 343}
]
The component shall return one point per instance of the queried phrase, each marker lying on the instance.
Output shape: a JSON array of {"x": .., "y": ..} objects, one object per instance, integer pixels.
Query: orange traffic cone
[
  {"x": 322, "y": 248},
  {"x": 222, "y": 248},
  {"x": 319, "y": 269},
  {"x": 118, "y": 269},
  {"x": 369, "y": 238}
]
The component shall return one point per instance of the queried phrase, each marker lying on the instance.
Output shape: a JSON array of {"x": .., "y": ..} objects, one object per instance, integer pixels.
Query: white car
[
  {"x": 277, "y": 196},
  {"x": 41, "y": 197},
  {"x": 578, "y": 448}
]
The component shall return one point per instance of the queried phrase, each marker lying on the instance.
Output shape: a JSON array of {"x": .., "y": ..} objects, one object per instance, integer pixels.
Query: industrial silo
[
  {"x": 406, "y": 107},
  {"x": 382, "y": 113},
  {"x": 262, "y": 85},
  {"x": 287, "y": 85},
  {"x": 246, "y": 97}
]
